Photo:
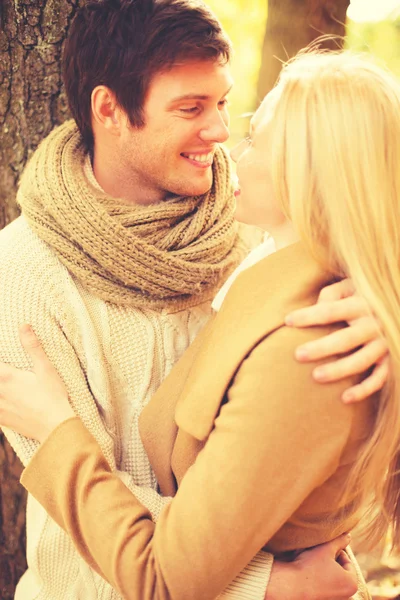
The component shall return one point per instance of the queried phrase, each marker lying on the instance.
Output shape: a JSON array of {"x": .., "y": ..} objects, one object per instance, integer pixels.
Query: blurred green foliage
[
  {"x": 245, "y": 24},
  {"x": 381, "y": 38}
]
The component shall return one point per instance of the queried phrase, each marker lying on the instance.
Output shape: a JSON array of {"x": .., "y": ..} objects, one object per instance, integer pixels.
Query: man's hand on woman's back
[{"x": 322, "y": 573}]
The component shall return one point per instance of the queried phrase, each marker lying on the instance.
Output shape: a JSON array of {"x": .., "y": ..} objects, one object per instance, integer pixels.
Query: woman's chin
[{"x": 245, "y": 216}]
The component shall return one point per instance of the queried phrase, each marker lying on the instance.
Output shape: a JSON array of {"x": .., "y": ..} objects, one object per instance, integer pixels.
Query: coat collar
[{"x": 255, "y": 306}]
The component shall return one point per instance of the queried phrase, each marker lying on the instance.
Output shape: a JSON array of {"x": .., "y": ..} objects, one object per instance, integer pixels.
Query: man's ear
[{"x": 105, "y": 109}]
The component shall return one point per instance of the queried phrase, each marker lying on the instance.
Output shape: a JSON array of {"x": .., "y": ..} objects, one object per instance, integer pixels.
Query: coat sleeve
[{"x": 242, "y": 488}]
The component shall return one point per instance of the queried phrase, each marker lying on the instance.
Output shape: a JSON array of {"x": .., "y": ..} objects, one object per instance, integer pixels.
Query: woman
[{"x": 263, "y": 457}]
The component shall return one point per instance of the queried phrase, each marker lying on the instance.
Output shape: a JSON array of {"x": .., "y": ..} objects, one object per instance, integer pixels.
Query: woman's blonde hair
[{"x": 335, "y": 164}]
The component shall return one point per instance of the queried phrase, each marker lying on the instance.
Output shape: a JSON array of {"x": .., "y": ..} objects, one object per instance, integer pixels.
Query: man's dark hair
[{"x": 122, "y": 44}]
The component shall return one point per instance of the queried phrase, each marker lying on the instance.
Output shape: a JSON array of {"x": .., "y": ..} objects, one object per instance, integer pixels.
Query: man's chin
[{"x": 191, "y": 190}]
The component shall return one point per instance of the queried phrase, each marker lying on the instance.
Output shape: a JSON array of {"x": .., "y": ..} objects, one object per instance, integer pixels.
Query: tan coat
[{"x": 259, "y": 451}]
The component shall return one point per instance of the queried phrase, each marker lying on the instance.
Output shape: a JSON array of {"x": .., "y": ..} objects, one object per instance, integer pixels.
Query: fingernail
[
  {"x": 301, "y": 353},
  {"x": 320, "y": 374},
  {"x": 26, "y": 329},
  {"x": 348, "y": 397}
]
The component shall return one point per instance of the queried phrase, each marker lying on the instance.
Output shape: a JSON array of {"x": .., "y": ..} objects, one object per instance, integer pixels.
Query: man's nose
[{"x": 215, "y": 129}]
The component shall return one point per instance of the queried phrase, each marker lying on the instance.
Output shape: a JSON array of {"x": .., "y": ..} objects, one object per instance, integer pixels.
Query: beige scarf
[{"x": 173, "y": 254}]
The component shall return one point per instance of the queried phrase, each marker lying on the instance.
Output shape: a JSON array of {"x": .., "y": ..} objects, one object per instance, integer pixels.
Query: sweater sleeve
[
  {"x": 37, "y": 289},
  {"x": 242, "y": 488}
]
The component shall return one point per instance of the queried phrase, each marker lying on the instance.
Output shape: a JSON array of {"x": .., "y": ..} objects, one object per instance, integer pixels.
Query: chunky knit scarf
[{"x": 168, "y": 255}]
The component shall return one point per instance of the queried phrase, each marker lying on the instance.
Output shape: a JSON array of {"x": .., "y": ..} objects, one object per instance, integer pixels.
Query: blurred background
[
  {"x": 371, "y": 26},
  {"x": 32, "y": 101}
]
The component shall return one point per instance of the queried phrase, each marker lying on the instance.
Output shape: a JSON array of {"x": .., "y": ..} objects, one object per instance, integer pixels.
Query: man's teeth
[{"x": 201, "y": 158}]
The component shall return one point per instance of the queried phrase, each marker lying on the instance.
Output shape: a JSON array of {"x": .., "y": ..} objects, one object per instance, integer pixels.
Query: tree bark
[
  {"x": 292, "y": 25},
  {"x": 32, "y": 102}
]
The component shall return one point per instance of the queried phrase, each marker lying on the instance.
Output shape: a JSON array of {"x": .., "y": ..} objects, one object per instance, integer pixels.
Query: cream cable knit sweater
[{"x": 112, "y": 360}]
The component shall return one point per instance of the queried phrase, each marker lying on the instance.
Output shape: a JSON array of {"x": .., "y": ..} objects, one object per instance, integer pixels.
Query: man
[{"x": 126, "y": 234}]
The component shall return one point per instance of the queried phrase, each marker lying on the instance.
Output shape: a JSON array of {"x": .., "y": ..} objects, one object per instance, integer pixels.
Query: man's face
[{"x": 186, "y": 118}]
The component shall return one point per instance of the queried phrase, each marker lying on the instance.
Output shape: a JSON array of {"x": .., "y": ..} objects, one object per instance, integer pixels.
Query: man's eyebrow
[
  {"x": 196, "y": 97},
  {"x": 190, "y": 97}
]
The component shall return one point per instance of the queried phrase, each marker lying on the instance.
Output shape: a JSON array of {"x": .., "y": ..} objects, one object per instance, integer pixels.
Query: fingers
[
  {"x": 347, "y": 565},
  {"x": 329, "y": 572},
  {"x": 370, "y": 385},
  {"x": 364, "y": 330},
  {"x": 336, "y": 546},
  {"x": 337, "y": 291},
  {"x": 347, "y": 309},
  {"x": 6, "y": 373},
  {"x": 350, "y": 583},
  {"x": 34, "y": 349},
  {"x": 342, "y": 559},
  {"x": 28, "y": 337},
  {"x": 357, "y": 362},
  {"x": 330, "y": 549}
]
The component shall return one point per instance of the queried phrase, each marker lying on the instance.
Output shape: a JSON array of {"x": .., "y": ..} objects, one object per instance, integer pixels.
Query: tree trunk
[
  {"x": 292, "y": 25},
  {"x": 32, "y": 102},
  {"x": 12, "y": 522}
]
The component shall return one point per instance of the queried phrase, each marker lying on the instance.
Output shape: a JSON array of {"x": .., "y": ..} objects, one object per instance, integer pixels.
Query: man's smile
[{"x": 203, "y": 160}]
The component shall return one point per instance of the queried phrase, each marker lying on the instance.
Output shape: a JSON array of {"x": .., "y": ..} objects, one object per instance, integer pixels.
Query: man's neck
[{"x": 117, "y": 185}]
